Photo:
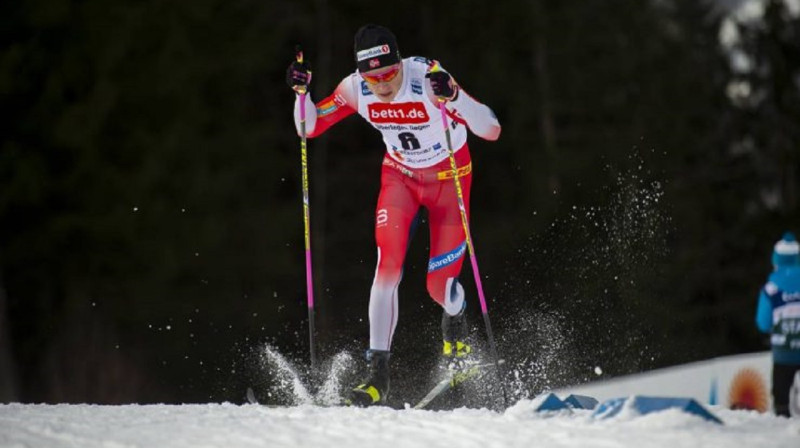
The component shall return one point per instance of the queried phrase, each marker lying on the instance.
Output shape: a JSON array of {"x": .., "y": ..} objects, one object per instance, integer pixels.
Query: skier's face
[{"x": 385, "y": 82}]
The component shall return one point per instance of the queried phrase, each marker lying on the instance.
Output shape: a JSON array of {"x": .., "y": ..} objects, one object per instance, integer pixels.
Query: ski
[{"x": 453, "y": 379}]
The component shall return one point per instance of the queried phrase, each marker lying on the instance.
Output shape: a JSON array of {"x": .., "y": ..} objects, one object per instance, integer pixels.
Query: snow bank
[{"x": 227, "y": 425}]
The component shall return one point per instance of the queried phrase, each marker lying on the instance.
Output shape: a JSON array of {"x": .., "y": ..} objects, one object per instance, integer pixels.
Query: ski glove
[
  {"x": 298, "y": 75},
  {"x": 443, "y": 85}
]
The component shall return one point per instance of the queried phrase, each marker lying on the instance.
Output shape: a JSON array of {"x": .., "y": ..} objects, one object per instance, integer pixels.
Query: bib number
[{"x": 408, "y": 140}]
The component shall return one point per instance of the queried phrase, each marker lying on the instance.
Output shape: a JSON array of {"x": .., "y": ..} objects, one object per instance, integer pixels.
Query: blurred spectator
[{"x": 779, "y": 315}]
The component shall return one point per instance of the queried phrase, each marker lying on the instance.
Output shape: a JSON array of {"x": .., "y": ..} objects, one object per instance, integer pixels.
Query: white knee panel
[{"x": 453, "y": 297}]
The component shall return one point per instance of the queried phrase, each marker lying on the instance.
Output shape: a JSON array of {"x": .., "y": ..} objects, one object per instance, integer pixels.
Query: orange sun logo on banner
[{"x": 748, "y": 390}]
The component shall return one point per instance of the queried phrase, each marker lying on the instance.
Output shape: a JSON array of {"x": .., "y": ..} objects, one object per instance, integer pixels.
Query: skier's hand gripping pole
[{"x": 298, "y": 74}]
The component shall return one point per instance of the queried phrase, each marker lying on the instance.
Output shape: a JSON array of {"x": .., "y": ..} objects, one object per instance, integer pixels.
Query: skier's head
[
  {"x": 378, "y": 61},
  {"x": 375, "y": 47},
  {"x": 787, "y": 251}
]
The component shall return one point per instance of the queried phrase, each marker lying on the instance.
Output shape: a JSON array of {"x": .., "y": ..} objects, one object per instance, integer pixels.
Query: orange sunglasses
[{"x": 386, "y": 76}]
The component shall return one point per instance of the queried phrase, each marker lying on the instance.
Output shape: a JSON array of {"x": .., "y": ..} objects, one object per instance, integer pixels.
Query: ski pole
[
  {"x": 302, "y": 90},
  {"x": 471, "y": 250}
]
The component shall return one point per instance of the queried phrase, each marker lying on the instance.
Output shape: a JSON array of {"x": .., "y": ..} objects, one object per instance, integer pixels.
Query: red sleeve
[{"x": 333, "y": 109}]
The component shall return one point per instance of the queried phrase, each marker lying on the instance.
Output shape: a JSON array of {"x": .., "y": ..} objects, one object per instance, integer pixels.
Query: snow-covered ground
[
  {"x": 305, "y": 425},
  {"x": 228, "y": 425}
]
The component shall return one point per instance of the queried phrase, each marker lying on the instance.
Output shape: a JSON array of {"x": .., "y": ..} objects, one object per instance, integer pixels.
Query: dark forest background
[{"x": 151, "y": 235}]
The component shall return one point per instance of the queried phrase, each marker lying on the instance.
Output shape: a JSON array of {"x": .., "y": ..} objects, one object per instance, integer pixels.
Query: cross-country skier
[
  {"x": 779, "y": 315},
  {"x": 400, "y": 98}
]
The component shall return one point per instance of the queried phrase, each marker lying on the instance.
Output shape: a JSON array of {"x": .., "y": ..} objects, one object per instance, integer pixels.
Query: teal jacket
[{"x": 778, "y": 314}]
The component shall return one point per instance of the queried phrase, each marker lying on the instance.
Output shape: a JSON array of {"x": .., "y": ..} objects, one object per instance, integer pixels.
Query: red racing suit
[{"x": 416, "y": 173}]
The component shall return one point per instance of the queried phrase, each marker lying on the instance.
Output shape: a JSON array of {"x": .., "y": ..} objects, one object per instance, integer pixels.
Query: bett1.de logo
[{"x": 401, "y": 113}]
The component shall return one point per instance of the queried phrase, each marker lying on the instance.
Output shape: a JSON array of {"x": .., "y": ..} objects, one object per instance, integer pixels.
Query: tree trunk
[
  {"x": 543, "y": 76},
  {"x": 320, "y": 161},
  {"x": 791, "y": 187},
  {"x": 8, "y": 375}
]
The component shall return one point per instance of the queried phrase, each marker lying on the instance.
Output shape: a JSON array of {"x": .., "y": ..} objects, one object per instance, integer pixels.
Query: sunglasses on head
[{"x": 385, "y": 76}]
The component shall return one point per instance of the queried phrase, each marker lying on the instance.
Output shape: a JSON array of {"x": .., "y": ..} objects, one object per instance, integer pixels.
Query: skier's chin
[{"x": 386, "y": 97}]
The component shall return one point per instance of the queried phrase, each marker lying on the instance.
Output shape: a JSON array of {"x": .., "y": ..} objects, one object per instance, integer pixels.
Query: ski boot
[
  {"x": 375, "y": 389},
  {"x": 454, "y": 333}
]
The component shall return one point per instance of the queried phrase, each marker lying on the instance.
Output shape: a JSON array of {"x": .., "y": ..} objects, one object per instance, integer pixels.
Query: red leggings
[{"x": 403, "y": 192}]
